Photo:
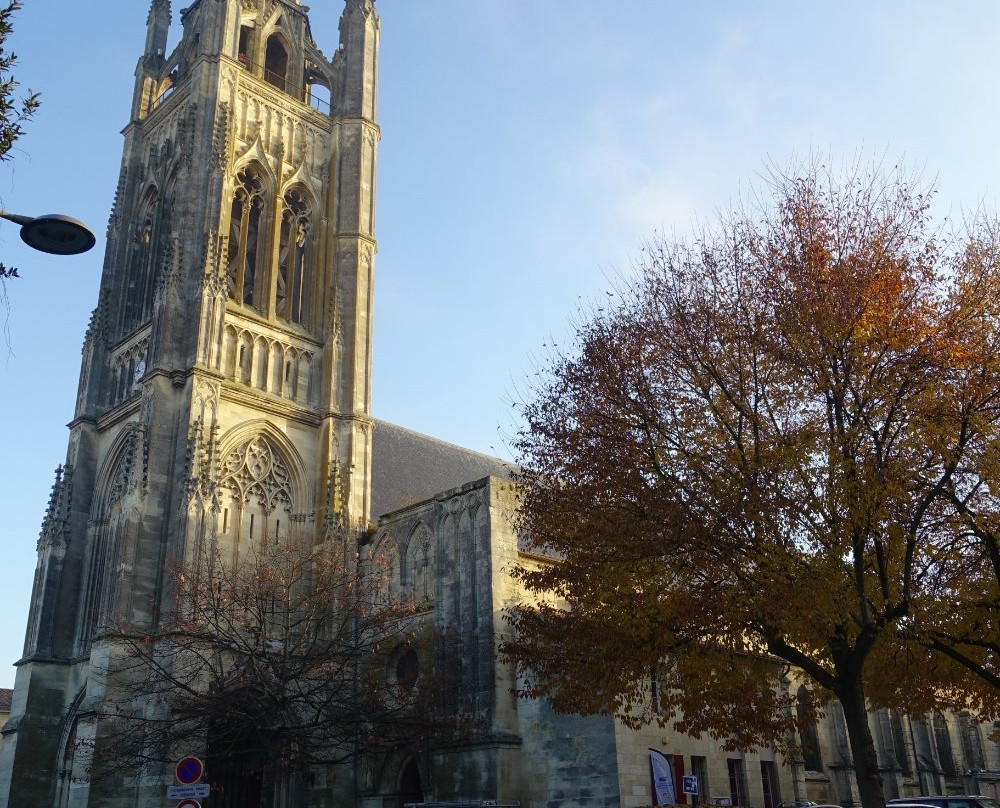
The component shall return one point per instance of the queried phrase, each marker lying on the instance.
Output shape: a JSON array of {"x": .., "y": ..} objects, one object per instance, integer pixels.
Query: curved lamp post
[{"x": 53, "y": 233}]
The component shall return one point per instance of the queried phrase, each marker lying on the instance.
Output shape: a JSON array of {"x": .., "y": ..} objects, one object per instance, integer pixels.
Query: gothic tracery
[
  {"x": 244, "y": 237},
  {"x": 295, "y": 226},
  {"x": 255, "y": 473}
]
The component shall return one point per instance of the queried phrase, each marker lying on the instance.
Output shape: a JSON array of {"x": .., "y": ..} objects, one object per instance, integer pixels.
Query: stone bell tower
[{"x": 226, "y": 377}]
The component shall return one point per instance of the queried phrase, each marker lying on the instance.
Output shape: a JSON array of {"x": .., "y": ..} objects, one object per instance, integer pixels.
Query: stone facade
[
  {"x": 225, "y": 398},
  {"x": 225, "y": 385},
  {"x": 454, "y": 551},
  {"x": 946, "y": 753}
]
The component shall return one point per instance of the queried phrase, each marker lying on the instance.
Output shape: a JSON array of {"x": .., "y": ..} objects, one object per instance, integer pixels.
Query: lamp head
[{"x": 57, "y": 234}]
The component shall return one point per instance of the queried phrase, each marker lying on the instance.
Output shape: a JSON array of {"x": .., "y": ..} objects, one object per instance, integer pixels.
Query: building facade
[
  {"x": 944, "y": 753},
  {"x": 225, "y": 398},
  {"x": 225, "y": 386},
  {"x": 446, "y": 524}
]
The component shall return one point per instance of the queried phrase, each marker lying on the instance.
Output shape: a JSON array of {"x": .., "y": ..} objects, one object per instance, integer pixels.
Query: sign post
[{"x": 189, "y": 771}]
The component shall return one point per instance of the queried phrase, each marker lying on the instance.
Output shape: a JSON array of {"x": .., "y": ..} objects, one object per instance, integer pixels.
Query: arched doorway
[
  {"x": 236, "y": 782},
  {"x": 410, "y": 789},
  {"x": 234, "y": 767}
]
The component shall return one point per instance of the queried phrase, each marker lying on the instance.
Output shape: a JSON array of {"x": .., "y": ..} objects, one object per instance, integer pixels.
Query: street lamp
[{"x": 53, "y": 233}]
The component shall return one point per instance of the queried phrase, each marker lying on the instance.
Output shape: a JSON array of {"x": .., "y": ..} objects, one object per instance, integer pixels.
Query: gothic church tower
[{"x": 225, "y": 385}]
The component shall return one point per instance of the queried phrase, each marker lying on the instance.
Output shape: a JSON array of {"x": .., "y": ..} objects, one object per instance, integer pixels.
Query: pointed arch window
[
  {"x": 112, "y": 532},
  {"x": 294, "y": 237},
  {"x": 418, "y": 572},
  {"x": 257, "y": 499},
  {"x": 972, "y": 742},
  {"x": 809, "y": 734},
  {"x": 276, "y": 63},
  {"x": 243, "y": 50},
  {"x": 899, "y": 742},
  {"x": 77, "y": 759},
  {"x": 139, "y": 283},
  {"x": 384, "y": 566},
  {"x": 942, "y": 738},
  {"x": 245, "y": 235}
]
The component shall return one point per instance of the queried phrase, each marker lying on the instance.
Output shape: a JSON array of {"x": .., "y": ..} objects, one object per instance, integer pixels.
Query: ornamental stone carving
[{"x": 254, "y": 471}]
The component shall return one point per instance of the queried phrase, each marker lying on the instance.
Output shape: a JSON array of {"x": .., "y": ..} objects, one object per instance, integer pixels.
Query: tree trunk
[{"x": 866, "y": 771}]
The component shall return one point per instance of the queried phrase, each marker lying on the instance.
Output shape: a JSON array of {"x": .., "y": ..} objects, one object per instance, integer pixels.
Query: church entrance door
[{"x": 410, "y": 789}]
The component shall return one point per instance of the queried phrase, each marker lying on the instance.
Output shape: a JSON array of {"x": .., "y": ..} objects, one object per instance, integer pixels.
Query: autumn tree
[
  {"x": 770, "y": 452},
  {"x": 963, "y": 623},
  {"x": 283, "y": 659}
]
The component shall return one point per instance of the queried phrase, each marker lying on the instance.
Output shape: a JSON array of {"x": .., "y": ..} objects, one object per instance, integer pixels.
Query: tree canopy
[{"x": 776, "y": 448}]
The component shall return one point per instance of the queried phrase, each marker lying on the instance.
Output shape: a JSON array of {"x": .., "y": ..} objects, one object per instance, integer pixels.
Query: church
[{"x": 225, "y": 392}]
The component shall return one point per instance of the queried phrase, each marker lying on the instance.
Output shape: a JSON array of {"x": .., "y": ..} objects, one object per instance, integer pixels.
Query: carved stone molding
[
  {"x": 201, "y": 461},
  {"x": 336, "y": 495},
  {"x": 115, "y": 217},
  {"x": 170, "y": 266},
  {"x": 55, "y": 524},
  {"x": 471, "y": 502},
  {"x": 132, "y": 474},
  {"x": 213, "y": 279},
  {"x": 222, "y": 141},
  {"x": 206, "y": 400}
]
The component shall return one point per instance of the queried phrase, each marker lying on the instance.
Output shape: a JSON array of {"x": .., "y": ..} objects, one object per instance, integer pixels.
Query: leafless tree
[{"x": 286, "y": 657}]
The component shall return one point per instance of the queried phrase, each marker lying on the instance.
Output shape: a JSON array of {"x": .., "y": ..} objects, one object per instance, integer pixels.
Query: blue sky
[{"x": 529, "y": 147}]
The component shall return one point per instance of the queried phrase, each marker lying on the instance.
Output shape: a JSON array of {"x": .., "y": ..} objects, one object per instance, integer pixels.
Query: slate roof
[
  {"x": 408, "y": 467},
  {"x": 6, "y": 694}
]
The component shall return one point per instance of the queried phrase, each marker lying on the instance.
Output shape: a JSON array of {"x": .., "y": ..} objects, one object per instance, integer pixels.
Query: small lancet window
[
  {"x": 276, "y": 63},
  {"x": 139, "y": 289},
  {"x": 243, "y": 53},
  {"x": 289, "y": 303},
  {"x": 407, "y": 670},
  {"x": 245, "y": 234}
]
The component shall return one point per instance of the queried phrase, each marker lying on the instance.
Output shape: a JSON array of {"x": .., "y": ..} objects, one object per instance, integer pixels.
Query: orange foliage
[{"x": 780, "y": 448}]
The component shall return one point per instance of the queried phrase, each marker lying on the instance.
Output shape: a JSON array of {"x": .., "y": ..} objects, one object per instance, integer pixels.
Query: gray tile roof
[{"x": 408, "y": 467}]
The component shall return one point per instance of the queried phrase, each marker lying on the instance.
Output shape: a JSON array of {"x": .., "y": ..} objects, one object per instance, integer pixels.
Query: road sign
[
  {"x": 690, "y": 784},
  {"x": 189, "y": 804},
  {"x": 189, "y": 770},
  {"x": 188, "y": 792}
]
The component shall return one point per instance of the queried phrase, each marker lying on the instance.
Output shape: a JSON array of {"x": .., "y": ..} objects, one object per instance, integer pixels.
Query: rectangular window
[
  {"x": 769, "y": 781},
  {"x": 699, "y": 768},
  {"x": 737, "y": 781}
]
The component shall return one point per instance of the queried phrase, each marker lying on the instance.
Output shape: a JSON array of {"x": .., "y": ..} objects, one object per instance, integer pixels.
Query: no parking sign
[{"x": 189, "y": 771}]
